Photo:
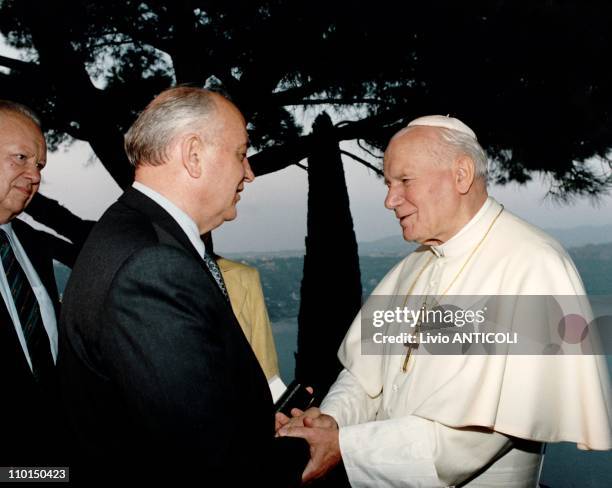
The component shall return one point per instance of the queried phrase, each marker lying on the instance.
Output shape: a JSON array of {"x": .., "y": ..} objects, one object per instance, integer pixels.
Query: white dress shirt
[{"x": 47, "y": 311}]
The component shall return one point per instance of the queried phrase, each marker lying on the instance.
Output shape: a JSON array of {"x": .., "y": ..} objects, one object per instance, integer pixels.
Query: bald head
[{"x": 10, "y": 107}]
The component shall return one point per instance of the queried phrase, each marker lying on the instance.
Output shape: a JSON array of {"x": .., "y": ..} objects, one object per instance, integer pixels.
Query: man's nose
[
  {"x": 33, "y": 173},
  {"x": 249, "y": 176},
  {"x": 394, "y": 199}
]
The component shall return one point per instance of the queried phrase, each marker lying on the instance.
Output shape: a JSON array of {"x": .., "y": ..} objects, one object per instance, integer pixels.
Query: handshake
[{"x": 318, "y": 429}]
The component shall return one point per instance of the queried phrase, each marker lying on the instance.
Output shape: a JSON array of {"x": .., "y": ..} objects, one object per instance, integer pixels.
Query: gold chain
[{"x": 424, "y": 304}]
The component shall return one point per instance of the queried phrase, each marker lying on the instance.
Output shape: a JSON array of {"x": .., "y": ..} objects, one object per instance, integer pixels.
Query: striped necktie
[
  {"x": 216, "y": 272},
  {"x": 28, "y": 311}
]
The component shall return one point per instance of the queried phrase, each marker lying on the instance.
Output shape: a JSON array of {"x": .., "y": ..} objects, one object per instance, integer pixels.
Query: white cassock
[{"x": 481, "y": 418}]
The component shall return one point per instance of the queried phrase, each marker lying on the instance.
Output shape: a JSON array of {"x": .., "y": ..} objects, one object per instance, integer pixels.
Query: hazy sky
[{"x": 272, "y": 212}]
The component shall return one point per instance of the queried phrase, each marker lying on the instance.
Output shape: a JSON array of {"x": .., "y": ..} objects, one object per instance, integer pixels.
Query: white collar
[
  {"x": 471, "y": 233},
  {"x": 185, "y": 222}
]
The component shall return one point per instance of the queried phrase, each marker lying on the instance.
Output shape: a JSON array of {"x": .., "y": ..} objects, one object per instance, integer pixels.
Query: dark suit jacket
[
  {"x": 157, "y": 376},
  {"x": 29, "y": 423}
]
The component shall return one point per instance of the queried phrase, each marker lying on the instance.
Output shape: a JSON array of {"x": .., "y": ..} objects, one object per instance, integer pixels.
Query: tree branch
[
  {"x": 278, "y": 157},
  {"x": 60, "y": 219},
  {"x": 365, "y": 149},
  {"x": 336, "y": 101},
  {"x": 362, "y": 161},
  {"x": 287, "y": 96},
  {"x": 63, "y": 251},
  {"x": 17, "y": 64},
  {"x": 77, "y": 96}
]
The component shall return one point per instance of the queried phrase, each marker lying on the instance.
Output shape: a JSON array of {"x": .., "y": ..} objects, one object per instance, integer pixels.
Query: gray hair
[
  {"x": 10, "y": 106},
  {"x": 464, "y": 144},
  {"x": 171, "y": 113}
]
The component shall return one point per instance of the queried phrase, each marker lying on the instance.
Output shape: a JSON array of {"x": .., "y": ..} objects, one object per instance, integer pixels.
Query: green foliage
[{"x": 531, "y": 78}]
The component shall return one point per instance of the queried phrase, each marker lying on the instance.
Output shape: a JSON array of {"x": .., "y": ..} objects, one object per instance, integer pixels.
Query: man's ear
[
  {"x": 464, "y": 172},
  {"x": 192, "y": 150}
]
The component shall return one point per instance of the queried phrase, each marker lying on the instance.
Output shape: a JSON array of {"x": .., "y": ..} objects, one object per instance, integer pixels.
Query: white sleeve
[
  {"x": 277, "y": 387},
  {"x": 414, "y": 452},
  {"x": 348, "y": 403}
]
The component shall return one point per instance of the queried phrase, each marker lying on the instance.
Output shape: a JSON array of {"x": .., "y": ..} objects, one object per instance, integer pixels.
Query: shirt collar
[
  {"x": 471, "y": 233},
  {"x": 8, "y": 229},
  {"x": 185, "y": 222}
]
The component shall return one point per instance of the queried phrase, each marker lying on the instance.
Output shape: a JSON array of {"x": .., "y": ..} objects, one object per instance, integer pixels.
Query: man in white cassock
[{"x": 444, "y": 420}]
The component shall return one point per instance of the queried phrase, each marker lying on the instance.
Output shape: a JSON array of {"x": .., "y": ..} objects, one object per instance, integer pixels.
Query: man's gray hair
[
  {"x": 464, "y": 144},
  {"x": 10, "y": 106},
  {"x": 173, "y": 112}
]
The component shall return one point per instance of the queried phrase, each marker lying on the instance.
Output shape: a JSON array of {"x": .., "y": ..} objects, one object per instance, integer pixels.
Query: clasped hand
[{"x": 322, "y": 434}]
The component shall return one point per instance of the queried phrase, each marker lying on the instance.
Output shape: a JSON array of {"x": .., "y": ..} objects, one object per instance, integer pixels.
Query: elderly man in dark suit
[
  {"x": 157, "y": 376},
  {"x": 29, "y": 422}
]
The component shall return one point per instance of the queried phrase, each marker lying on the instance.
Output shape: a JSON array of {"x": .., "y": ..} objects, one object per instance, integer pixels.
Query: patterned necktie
[
  {"x": 216, "y": 272},
  {"x": 28, "y": 311}
]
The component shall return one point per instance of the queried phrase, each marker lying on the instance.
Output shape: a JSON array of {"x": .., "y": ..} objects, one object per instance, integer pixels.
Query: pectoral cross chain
[
  {"x": 410, "y": 346},
  {"x": 413, "y": 345}
]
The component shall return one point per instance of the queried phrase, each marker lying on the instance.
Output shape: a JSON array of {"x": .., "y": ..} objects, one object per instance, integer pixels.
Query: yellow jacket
[{"x": 247, "y": 299}]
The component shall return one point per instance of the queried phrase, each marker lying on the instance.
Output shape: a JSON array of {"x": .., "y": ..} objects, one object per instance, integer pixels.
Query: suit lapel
[
  {"x": 170, "y": 233},
  {"x": 12, "y": 358},
  {"x": 10, "y": 347},
  {"x": 162, "y": 219},
  {"x": 168, "y": 230}
]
